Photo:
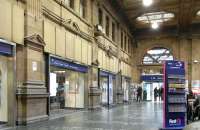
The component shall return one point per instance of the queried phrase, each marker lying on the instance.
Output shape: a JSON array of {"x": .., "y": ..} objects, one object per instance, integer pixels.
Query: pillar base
[{"x": 94, "y": 98}]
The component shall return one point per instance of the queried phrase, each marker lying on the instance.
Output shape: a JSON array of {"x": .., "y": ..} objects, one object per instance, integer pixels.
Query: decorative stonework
[{"x": 35, "y": 42}]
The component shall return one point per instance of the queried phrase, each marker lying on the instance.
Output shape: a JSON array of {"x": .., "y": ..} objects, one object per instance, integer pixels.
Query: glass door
[
  {"x": 70, "y": 89},
  {"x": 110, "y": 89},
  {"x": 80, "y": 90},
  {"x": 125, "y": 88},
  {"x": 74, "y": 89},
  {"x": 57, "y": 90},
  {"x": 104, "y": 89}
]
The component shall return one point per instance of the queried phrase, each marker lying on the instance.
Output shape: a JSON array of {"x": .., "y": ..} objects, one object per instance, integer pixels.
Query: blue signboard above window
[
  {"x": 6, "y": 49},
  {"x": 152, "y": 78},
  {"x": 68, "y": 65},
  {"x": 105, "y": 74}
]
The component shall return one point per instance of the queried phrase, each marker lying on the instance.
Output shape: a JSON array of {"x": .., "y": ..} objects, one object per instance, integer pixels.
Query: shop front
[
  {"x": 7, "y": 89},
  {"x": 67, "y": 85},
  {"x": 150, "y": 85},
  {"x": 107, "y": 83},
  {"x": 126, "y": 84}
]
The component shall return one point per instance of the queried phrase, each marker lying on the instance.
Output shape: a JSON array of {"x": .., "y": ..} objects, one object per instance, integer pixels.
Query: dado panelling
[
  {"x": 11, "y": 22},
  {"x": 66, "y": 44}
]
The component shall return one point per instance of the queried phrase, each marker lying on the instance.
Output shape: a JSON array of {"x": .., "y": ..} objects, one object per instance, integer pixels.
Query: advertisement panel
[{"x": 174, "y": 106}]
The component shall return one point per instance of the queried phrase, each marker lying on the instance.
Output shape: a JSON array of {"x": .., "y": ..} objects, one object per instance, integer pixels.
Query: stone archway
[{"x": 148, "y": 44}]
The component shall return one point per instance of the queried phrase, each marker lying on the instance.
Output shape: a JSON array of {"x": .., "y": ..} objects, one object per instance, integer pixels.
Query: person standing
[
  {"x": 139, "y": 94},
  {"x": 155, "y": 93},
  {"x": 160, "y": 93},
  {"x": 162, "y": 90}
]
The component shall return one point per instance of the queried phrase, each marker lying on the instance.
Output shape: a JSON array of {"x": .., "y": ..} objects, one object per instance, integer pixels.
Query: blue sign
[
  {"x": 68, "y": 65},
  {"x": 6, "y": 49},
  {"x": 152, "y": 78},
  {"x": 106, "y": 74}
]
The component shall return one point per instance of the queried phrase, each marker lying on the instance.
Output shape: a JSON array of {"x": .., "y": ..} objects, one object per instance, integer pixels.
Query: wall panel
[
  {"x": 18, "y": 24},
  {"x": 70, "y": 45},
  {"x": 78, "y": 47},
  {"x": 103, "y": 60},
  {"x": 100, "y": 58},
  {"x": 5, "y": 20},
  {"x": 89, "y": 54},
  {"x": 49, "y": 37},
  {"x": 84, "y": 51},
  {"x": 60, "y": 41}
]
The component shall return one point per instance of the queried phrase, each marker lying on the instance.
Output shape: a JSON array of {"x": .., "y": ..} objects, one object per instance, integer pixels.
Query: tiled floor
[
  {"x": 193, "y": 126},
  {"x": 137, "y": 116}
]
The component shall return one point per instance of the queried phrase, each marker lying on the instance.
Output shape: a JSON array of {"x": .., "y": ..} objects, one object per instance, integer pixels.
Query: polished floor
[{"x": 136, "y": 116}]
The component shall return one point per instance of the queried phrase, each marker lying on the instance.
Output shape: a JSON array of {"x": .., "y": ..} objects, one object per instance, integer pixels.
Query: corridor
[{"x": 144, "y": 116}]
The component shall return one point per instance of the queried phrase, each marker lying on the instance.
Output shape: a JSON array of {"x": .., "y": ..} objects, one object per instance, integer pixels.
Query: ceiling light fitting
[
  {"x": 155, "y": 25},
  {"x": 147, "y": 2}
]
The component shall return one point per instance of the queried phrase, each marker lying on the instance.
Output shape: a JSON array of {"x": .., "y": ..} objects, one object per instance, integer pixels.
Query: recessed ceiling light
[
  {"x": 155, "y": 25},
  {"x": 147, "y": 2}
]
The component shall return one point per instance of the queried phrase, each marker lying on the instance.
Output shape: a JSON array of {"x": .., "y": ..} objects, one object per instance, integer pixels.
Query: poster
[
  {"x": 196, "y": 86},
  {"x": 53, "y": 84}
]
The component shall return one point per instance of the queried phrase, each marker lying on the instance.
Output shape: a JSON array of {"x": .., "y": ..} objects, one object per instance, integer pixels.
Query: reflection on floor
[{"x": 137, "y": 116}]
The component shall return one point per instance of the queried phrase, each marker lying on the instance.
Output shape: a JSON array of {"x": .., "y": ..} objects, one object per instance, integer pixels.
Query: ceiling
[{"x": 184, "y": 13}]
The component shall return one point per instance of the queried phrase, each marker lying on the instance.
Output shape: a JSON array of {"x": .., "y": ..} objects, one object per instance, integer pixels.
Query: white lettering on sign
[{"x": 175, "y": 121}]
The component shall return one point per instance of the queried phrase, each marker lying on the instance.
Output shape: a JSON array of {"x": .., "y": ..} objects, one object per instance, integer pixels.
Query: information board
[{"x": 174, "y": 106}]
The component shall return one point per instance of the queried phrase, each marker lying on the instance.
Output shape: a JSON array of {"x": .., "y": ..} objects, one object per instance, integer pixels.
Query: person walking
[{"x": 139, "y": 94}]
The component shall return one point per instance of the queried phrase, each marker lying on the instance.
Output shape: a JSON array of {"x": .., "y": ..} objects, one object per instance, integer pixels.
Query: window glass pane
[
  {"x": 100, "y": 17},
  {"x": 69, "y": 3},
  {"x": 107, "y": 26},
  {"x": 113, "y": 31},
  {"x": 158, "y": 17},
  {"x": 157, "y": 55},
  {"x": 82, "y": 8}
]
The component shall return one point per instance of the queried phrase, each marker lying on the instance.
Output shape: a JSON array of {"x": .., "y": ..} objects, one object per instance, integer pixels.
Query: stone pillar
[
  {"x": 88, "y": 10},
  {"x": 195, "y": 62},
  {"x": 119, "y": 93},
  {"x": 94, "y": 90},
  {"x": 32, "y": 94},
  {"x": 185, "y": 55},
  {"x": 77, "y": 6}
]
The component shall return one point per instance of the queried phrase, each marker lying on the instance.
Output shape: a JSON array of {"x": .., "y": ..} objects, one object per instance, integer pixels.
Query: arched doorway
[{"x": 152, "y": 71}]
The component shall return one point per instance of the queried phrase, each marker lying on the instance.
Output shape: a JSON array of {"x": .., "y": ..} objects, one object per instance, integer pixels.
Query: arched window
[{"x": 157, "y": 55}]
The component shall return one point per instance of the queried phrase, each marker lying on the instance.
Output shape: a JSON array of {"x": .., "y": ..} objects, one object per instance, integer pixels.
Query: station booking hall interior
[{"x": 99, "y": 64}]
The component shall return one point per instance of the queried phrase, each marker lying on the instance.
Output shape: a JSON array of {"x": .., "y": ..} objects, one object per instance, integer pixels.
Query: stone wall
[{"x": 183, "y": 48}]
